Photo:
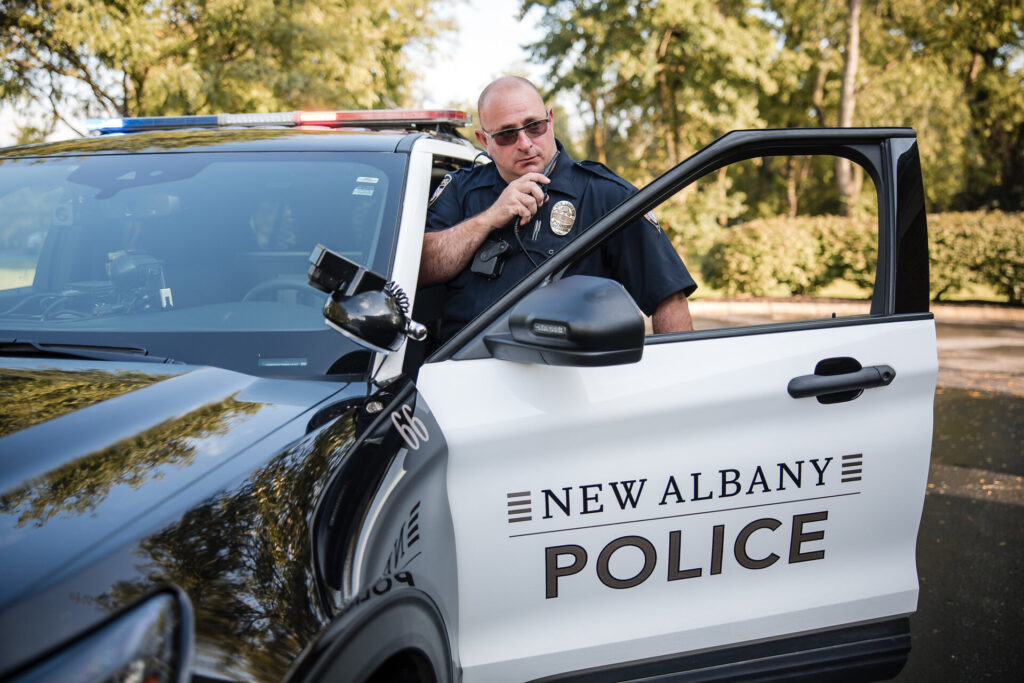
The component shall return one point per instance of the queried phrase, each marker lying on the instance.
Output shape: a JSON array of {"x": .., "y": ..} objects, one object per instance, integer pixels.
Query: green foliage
[
  {"x": 977, "y": 248},
  {"x": 655, "y": 81},
  {"x": 955, "y": 252},
  {"x": 141, "y": 57},
  {"x": 784, "y": 256},
  {"x": 803, "y": 255},
  {"x": 981, "y": 44}
]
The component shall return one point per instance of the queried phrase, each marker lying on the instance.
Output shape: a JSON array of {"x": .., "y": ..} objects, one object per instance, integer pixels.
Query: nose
[{"x": 524, "y": 141}]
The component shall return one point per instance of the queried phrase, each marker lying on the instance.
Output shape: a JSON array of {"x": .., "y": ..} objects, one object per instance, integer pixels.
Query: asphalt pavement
[{"x": 970, "y": 548}]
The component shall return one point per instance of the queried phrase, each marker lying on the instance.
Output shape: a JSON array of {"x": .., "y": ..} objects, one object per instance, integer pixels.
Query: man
[{"x": 474, "y": 210}]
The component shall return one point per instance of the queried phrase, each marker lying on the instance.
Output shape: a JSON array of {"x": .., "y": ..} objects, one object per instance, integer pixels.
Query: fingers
[{"x": 526, "y": 195}]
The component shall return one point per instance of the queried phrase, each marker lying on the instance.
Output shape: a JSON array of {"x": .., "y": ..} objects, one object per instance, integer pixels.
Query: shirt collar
[{"x": 561, "y": 176}]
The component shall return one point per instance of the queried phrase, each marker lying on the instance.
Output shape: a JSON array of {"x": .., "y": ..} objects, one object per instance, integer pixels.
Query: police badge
[{"x": 563, "y": 215}]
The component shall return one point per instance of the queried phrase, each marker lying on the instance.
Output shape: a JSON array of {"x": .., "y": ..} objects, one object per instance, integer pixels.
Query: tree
[
  {"x": 656, "y": 81},
  {"x": 845, "y": 179},
  {"x": 144, "y": 58},
  {"x": 981, "y": 44},
  {"x": 652, "y": 74}
]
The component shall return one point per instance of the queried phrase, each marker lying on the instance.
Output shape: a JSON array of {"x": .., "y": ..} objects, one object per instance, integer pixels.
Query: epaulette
[
  {"x": 475, "y": 176},
  {"x": 602, "y": 171},
  {"x": 466, "y": 178}
]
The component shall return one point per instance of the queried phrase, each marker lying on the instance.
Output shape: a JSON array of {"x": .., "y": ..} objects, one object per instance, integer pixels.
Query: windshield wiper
[{"x": 34, "y": 349}]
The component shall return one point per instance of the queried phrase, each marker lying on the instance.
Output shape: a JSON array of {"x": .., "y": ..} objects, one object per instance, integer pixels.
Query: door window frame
[{"x": 888, "y": 155}]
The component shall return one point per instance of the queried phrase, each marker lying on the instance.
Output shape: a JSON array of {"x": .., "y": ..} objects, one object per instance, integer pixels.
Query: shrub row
[
  {"x": 977, "y": 248},
  {"x": 779, "y": 256}
]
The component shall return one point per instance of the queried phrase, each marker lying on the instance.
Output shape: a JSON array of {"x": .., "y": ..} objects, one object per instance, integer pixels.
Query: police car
[{"x": 200, "y": 478}]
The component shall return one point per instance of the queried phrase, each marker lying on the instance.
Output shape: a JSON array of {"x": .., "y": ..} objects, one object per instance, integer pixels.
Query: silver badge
[{"x": 563, "y": 215}]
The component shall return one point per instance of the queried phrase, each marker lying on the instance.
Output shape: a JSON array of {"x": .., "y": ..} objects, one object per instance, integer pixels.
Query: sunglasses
[{"x": 510, "y": 136}]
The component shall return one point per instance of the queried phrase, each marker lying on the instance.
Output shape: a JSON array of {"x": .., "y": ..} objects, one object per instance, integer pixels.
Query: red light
[
  {"x": 318, "y": 116},
  {"x": 397, "y": 117}
]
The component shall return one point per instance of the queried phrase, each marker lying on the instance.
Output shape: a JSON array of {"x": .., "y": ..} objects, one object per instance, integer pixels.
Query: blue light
[
  {"x": 169, "y": 122},
  {"x": 104, "y": 125},
  {"x": 129, "y": 125}
]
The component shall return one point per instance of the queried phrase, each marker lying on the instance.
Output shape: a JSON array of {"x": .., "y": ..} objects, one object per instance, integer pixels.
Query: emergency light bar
[{"x": 370, "y": 118}]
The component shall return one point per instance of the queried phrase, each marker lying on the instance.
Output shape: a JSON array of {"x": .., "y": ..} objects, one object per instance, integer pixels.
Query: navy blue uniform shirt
[{"x": 639, "y": 256}]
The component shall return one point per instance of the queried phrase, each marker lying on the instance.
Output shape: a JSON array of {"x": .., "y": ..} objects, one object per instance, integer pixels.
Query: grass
[{"x": 975, "y": 293}]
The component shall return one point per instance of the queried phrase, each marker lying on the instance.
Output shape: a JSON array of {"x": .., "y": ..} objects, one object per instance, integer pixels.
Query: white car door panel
[
  {"x": 608, "y": 517},
  {"x": 738, "y": 512}
]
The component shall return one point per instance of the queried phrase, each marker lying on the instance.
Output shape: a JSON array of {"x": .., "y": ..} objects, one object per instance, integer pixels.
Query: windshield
[{"x": 201, "y": 257}]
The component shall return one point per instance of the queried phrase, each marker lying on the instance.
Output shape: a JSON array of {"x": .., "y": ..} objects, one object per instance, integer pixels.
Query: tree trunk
[
  {"x": 668, "y": 101},
  {"x": 597, "y": 137},
  {"x": 792, "y": 196},
  {"x": 801, "y": 169},
  {"x": 847, "y": 97}
]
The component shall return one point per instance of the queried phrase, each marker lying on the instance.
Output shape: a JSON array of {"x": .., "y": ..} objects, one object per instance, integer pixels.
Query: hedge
[
  {"x": 977, "y": 248},
  {"x": 803, "y": 255}
]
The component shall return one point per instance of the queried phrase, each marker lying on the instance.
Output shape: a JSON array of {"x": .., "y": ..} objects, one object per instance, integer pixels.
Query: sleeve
[
  {"x": 647, "y": 264},
  {"x": 444, "y": 209}
]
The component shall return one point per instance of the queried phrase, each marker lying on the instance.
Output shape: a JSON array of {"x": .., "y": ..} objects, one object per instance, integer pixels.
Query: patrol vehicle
[{"x": 200, "y": 478}]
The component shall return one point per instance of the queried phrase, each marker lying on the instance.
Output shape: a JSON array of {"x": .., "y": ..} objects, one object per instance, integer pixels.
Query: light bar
[{"x": 370, "y": 118}]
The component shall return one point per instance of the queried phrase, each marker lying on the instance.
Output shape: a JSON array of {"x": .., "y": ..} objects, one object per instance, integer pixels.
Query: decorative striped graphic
[
  {"x": 412, "y": 528},
  {"x": 852, "y": 467},
  {"x": 519, "y": 509}
]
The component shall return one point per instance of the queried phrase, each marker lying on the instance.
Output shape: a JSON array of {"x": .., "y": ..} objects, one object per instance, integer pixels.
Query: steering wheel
[{"x": 285, "y": 283}]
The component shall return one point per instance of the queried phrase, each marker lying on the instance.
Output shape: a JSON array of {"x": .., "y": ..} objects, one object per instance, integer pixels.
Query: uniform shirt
[{"x": 639, "y": 256}]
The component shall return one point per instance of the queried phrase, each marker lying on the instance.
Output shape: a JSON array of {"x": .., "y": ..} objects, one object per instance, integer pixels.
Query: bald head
[
  {"x": 506, "y": 86},
  {"x": 510, "y": 104}
]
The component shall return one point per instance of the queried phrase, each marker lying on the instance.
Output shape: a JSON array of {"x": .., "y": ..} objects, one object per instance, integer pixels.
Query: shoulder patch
[
  {"x": 652, "y": 219},
  {"x": 440, "y": 188}
]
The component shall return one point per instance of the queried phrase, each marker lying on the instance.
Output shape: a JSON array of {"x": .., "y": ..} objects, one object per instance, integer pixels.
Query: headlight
[{"x": 148, "y": 643}]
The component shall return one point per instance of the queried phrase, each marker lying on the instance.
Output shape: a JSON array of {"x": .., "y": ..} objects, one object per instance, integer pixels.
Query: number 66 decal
[{"x": 411, "y": 429}]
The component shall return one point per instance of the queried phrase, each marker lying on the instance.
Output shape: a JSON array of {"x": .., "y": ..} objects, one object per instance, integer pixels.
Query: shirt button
[{"x": 551, "y": 252}]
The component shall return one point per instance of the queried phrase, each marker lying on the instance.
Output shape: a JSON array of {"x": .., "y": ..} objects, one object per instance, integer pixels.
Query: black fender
[{"x": 391, "y": 632}]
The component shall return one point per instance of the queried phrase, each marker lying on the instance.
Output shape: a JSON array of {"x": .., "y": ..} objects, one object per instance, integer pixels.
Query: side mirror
[
  {"x": 374, "y": 320},
  {"x": 362, "y": 306},
  {"x": 579, "y": 321}
]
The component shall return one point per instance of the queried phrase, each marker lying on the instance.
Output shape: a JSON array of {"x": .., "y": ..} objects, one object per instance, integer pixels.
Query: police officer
[{"x": 470, "y": 243}]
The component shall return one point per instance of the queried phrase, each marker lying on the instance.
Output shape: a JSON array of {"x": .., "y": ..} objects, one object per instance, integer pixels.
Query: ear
[{"x": 481, "y": 137}]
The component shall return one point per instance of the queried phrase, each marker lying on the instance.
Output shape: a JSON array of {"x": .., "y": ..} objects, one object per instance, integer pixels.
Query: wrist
[{"x": 486, "y": 222}]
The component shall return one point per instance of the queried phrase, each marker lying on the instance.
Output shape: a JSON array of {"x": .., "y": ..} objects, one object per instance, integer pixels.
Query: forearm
[
  {"x": 447, "y": 252},
  {"x": 672, "y": 315}
]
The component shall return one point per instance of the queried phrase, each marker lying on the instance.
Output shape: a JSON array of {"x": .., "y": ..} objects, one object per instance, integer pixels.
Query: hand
[{"x": 522, "y": 198}]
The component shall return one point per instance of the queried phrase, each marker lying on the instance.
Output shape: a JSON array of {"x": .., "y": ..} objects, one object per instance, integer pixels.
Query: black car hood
[{"x": 88, "y": 447}]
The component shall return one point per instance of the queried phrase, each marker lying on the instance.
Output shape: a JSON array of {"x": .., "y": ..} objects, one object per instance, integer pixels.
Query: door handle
[{"x": 849, "y": 384}]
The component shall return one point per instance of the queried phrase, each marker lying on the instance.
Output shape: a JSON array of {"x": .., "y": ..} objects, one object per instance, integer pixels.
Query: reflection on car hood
[
  {"x": 31, "y": 394},
  {"x": 88, "y": 447}
]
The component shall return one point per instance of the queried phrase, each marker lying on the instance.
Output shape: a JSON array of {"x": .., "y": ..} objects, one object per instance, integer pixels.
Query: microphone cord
[{"x": 515, "y": 227}]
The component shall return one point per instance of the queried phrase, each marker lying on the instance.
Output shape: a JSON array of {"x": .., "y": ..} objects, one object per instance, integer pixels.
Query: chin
[{"x": 535, "y": 166}]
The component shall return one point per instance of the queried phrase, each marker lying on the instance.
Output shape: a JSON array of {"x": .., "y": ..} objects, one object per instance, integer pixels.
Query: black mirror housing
[
  {"x": 579, "y": 321},
  {"x": 362, "y": 305}
]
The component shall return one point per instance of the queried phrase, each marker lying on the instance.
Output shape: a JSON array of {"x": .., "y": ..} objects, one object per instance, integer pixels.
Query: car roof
[{"x": 247, "y": 139}]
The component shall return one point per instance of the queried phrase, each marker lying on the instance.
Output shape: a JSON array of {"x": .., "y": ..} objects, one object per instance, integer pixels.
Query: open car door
[{"x": 739, "y": 502}]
